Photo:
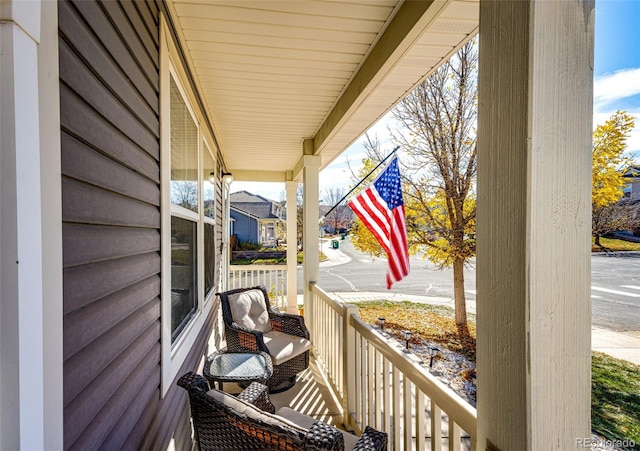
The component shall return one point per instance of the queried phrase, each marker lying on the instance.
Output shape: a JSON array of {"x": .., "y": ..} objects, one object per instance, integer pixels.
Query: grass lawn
[
  {"x": 615, "y": 398},
  {"x": 613, "y": 244},
  {"x": 615, "y": 387},
  {"x": 271, "y": 261}
]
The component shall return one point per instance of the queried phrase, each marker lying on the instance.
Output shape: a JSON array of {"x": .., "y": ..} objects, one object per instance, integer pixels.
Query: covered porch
[{"x": 533, "y": 215}]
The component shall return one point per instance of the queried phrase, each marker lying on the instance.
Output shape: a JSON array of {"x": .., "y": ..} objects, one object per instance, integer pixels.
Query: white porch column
[
  {"x": 51, "y": 193},
  {"x": 310, "y": 227},
  {"x": 292, "y": 246},
  {"x": 534, "y": 206},
  {"x": 30, "y": 270}
]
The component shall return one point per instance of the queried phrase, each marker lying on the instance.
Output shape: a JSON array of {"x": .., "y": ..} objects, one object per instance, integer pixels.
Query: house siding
[
  {"x": 245, "y": 227},
  {"x": 109, "y": 105}
]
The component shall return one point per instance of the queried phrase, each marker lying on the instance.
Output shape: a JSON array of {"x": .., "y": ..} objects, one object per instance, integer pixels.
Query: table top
[{"x": 238, "y": 366}]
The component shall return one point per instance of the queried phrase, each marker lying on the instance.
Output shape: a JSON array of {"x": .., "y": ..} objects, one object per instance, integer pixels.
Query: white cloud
[
  {"x": 619, "y": 85},
  {"x": 609, "y": 90}
]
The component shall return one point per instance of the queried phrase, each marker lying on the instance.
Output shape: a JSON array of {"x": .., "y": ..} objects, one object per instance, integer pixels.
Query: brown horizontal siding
[
  {"x": 87, "y": 204},
  {"x": 83, "y": 122},
  {"x": 84, "y": 368},
  {"x": 73, "y": 72},
  {"x": 87, "y": 244},
  {"x": 89, "y": 283},
  {"x": 84, "y": 163},
  {"x": 131, "y": 382},
  {"x": 81, "y": 328},
  {"x": 111, "y": 218},
  {"x": 75, "y": 31},
  {"x": 99, "y": 27}
]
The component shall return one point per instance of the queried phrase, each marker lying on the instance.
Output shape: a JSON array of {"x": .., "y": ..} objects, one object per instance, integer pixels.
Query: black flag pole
[{"x": 395, "y": 149}]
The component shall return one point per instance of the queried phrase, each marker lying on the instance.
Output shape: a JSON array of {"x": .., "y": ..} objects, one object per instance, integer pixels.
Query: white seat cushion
[
  {"x": 306, "y": 422},
  {"x": 249, "y": 310},
  {"x": 283, "y": 347}
]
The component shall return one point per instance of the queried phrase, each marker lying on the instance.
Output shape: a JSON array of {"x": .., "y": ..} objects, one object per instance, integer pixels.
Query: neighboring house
[
  {"x": 245, "y": 226},
  {"x": 339, "y": 219},
  {"x": 632, "y": 179},
  {"x": 257, "y": 219}
]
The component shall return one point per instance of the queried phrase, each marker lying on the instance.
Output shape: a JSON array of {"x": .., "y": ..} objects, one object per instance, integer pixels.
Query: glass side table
[{"x": 239, "y": 367}]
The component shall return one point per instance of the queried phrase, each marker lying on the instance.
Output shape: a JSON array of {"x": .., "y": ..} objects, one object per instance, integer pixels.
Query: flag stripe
[{"x": 368, "y": 207}]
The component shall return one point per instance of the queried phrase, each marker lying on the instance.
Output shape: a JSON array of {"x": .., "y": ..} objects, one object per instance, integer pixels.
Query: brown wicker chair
[
  {"x": 222, "y": 422},
  {"x": 251, "y": 325}
]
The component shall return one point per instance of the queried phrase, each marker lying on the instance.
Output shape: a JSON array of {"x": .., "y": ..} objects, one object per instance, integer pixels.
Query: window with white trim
[
  {"x": 188, "y": 185},
  {"x": 185, "y": 213}
]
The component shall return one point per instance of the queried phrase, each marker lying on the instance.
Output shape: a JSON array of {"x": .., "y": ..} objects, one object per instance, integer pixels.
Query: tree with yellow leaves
[
  {"x": 438, "y": 132},
  {"x": 609, "y": 144}
]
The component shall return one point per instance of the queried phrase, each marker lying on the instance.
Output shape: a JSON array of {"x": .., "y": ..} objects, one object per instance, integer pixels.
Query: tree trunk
[
  {"x": 458, "y": 294},
  {"x": 597, "y": 241}
]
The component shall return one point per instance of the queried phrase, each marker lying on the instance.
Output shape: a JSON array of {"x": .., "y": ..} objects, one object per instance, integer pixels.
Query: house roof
[
  {"x": 246, "y": 196},
  {"x": 632, "y": 172},
  {"x": 253, "y": 204},
  {"x": 289, "y": 79},
  {"x": 342, "y": 210},
  {"x": 260, "y": 210}
]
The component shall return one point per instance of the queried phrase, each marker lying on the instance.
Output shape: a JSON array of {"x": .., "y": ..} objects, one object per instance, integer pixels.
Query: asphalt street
[{"x": 615, "y": 283}]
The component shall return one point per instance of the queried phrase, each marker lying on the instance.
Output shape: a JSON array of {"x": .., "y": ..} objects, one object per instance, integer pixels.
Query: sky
[{"x": 616, "y": 87}]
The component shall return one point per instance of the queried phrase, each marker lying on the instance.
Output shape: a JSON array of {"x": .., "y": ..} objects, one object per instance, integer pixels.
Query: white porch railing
[
  {"x": 383, "y": 387},
  {"x": 273, "y": 277}
]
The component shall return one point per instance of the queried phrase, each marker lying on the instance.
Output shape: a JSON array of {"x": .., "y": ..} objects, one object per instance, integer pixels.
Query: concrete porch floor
[{"x": 309, "y": 395}]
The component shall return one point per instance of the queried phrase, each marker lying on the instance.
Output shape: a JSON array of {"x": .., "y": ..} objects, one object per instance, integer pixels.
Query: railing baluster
[
  {"x": 386, "y": 387},
  {"x": 377, "y": 391},
  {"x": 420, "y": 420},
  {"x": 397, "y": 414},
  {"x": 363, "y": 382},
  {"x": 406, "y": 412},
  {"x": 371, "y": 382},
  {"x": 436, "y": 427},
  {"x": 454, "y": 436}
]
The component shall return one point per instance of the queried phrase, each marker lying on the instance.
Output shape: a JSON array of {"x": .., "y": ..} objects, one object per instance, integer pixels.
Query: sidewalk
[
  {"x": 622, "y": 345},
  {"x": 334, "y": 256}
]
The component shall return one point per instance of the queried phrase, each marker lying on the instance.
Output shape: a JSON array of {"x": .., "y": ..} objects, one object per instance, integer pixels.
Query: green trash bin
[{"x": 335, "y": 244}]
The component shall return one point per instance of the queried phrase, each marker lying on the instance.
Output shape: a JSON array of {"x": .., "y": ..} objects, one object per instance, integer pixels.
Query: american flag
[{"x": 381, "y": 209}]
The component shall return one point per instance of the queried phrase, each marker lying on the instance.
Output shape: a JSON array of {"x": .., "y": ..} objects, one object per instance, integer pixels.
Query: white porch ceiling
[{"x": 275, "y": 73}]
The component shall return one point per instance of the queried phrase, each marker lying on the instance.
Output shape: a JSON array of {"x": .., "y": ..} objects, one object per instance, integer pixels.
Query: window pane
[
  {"x": 209, "y": 258},
  {"x": 184, "y": 153},
  {"x": 184, "y": 285},
  {"x": 208, "y": 187}
]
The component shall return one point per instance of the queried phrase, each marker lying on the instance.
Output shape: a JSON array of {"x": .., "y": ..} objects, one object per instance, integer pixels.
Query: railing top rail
[
  {"x": 460, "y": 411},
  {"x": 233, "y": 268},
  {"x": 335, "y": 305}
]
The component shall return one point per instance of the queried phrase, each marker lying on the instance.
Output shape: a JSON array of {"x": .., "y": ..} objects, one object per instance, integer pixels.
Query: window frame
[
  {"x": 173, "y": 355},
  {"x": 206, "y": 147}
]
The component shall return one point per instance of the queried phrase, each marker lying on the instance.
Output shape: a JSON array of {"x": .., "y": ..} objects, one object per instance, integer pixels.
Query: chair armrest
[
  {"x": 322, "y": 436},
  {"x": 371, "y": 440},
  {"x": 258, "y": 395},
  {"x": 240, "y": 339},
  {"x": 289, "y": 324},
  {"x": 193, "y": 380}
]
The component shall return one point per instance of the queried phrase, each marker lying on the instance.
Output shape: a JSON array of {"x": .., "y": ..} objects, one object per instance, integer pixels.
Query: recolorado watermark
[{"x": 604, "y": 443}]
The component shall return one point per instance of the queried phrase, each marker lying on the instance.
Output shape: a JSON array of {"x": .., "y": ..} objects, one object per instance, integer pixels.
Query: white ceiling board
[{"x": 274, "y": 73}]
